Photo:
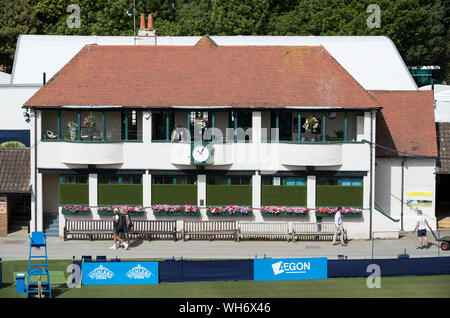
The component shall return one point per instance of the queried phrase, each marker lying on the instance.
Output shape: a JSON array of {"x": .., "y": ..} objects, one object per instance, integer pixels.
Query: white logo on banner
[
  {"x": 139, "y": 272},
  {"x": 290, "y": 268},
  {"x": 101, "y": 273}
]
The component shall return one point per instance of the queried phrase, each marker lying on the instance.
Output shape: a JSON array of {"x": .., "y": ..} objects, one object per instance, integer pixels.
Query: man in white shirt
[
  {"x": 339, "y": 229},
  {"x": 421, "y": 227}
]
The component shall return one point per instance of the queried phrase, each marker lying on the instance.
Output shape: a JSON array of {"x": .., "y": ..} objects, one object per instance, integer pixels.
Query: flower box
[
  {"x": 344, "y": 212},
  {"x": 131, "y": 210},
  {"x": 179, "y": 210},
  {"x": 75, "y": 210},
  {"x": 229, "y": 210},
  {"x": 284, "y": 211}
]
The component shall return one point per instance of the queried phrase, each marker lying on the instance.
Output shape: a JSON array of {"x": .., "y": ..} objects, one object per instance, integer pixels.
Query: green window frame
[
  {"x": 285, "y": 181},
  {"x": 73, "y": 179},
  {"x": 73, "y": 189},
  {"x": 229, "y": 180},
  {"x": 340, "y": 181},
  {"x": 120, "y": 179},
  {"x": 159, "y": 179}
]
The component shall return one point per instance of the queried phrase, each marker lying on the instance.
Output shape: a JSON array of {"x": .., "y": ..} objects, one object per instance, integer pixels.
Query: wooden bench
[
  {"x": 104, "y": 228},
  {"x": 264, "y": 230},
  {"x": 314, "y": 231},
  {"x": 209, "y": 229},
  {"x": 161, "y": 228}
]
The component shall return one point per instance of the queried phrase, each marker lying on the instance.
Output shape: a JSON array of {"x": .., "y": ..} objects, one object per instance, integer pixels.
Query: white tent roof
[
  {"x": 5, "y": 78},
  {"x": 372, "y": 60}
]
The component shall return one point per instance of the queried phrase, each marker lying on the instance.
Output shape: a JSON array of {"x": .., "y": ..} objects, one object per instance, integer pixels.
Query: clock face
[{"x": 200, "y": 153}]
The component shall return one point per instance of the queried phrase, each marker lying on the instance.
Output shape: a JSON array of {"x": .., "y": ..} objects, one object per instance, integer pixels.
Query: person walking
[
  {"x": 421, "y": 227},
  {"x": 339, "y": 229},
  {"x": 126, "y": 226},
  {"x": 117, "y": 230}
]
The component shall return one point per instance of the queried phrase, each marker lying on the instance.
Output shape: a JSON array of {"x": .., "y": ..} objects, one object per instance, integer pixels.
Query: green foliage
[
  {"x": 16, "y": 17},
  {"x": 283, "y": 195},
  {"x": 228, "y": 194},
  {"x": 130, "y": 194},
  {"x": 174, "y": 194},
  {"x": 74, "y": 194},
  {"x": 332, "y": 196},
  {"x": 12, "y": 144},
  {"x": 419, "y": 28}
]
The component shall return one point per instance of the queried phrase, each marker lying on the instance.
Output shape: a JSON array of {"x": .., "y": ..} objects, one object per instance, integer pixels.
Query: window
[
  {"x": 126, "y": 179},
  {"x": 340, "y": 181},
  {"x": 230, "y": 180},
  {"x": 162, "y": 124},
  {"x": 174, "y": 180},
  {"x": 73, "y": 179},
  {"x": 285, "y": 181}
]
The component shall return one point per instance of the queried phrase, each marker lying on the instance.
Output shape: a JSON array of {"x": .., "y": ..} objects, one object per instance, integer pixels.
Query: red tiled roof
[
  {"x": 14, "y": 170},
  {"x": 203, "y": 75},
  {"x": 406, "y": 123}
]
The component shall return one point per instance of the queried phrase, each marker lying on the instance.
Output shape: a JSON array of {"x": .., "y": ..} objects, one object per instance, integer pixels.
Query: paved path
[{"x": 16, "y": 245}]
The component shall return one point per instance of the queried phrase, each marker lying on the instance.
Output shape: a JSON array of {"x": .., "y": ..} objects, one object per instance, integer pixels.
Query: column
[
  {"x": 311, "y": 197},
  {"x": 146, "y": 126},
  {"x": 256, "y": 195},
  {"x": 93, "y": 194},
  {"x": 33, "y": 135},
  {"x": 40, "y": 215},
  {"x": 256, "y": 140},
  {"x": 201, "y": 194},
  {"x": 147, "y": 193}
]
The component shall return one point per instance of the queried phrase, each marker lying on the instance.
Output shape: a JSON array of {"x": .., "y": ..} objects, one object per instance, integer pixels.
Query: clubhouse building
[{"x": 185, "y": 131}]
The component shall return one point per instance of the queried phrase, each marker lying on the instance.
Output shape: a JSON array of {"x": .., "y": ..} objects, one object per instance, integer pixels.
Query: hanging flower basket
[
  {"x": 75, "y": 210},
  {"x": 229, "y": 210},
  {"x": 89, "y": 122},
  {"x": 311, "y": 123},
  {"x": 284, "y": 211},
  {"x": 180, "y": 210},
  {"x": 344, "y": 212},
  {"x": 131, "y": 210}
]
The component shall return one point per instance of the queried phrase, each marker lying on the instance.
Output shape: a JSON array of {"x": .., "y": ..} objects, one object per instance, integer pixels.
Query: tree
[{"x": 15, "y": 18}]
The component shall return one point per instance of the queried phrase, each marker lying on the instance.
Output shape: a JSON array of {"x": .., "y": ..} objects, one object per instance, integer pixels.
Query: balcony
[{"x": 91, "y": 153}]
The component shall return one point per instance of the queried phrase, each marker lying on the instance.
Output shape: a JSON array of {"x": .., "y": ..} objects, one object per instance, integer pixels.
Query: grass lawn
[{"x": 404, "y": 287}]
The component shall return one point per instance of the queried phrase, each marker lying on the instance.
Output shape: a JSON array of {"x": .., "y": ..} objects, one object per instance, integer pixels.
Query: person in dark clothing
[
  {"x": 117, "y": 229},
  {"x": 126, "y": 226}
]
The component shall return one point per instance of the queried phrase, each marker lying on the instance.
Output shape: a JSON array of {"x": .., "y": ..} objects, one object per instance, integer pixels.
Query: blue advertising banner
[
  {"x": 119, "y": 273},
  {"x": 290, "y": 269}
]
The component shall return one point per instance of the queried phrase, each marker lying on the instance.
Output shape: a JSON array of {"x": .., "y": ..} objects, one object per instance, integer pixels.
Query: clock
[{"x": 201, "y": 153}]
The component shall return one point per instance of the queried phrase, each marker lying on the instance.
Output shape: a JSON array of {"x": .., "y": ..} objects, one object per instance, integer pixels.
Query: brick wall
[
  {"x": 3, "y": 224},
  {"x": 3, "y": 216}
]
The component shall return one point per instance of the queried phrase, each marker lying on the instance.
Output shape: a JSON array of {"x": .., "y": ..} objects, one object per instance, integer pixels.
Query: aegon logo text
[{"x": 291, "y": 268}]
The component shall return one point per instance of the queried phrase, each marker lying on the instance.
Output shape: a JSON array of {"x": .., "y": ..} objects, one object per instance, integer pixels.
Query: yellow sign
[{"x": 419, "y": 194}]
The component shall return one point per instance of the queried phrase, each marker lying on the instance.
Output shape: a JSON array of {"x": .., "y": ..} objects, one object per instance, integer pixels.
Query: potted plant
[
  {"x": 312, "y": 124},
  {"x": 75, "y": 210},
  {"x": 229, "y": 210},
  {"x": 165, "y": 209},
  {"x": 132, "y": 210},
  {"x": 284, "y": 211},
  {"x": 72, "y": 131},
  {"x": 325, "y": 211}
]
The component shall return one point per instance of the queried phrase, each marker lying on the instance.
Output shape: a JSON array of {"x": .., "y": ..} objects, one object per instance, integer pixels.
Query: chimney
[
  {"x": 150, "y": 22},
  {"x": 142, "y": 21},
  {"x": 146, "y": 36}
]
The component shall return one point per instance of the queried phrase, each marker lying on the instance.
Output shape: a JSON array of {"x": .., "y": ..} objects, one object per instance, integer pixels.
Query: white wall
[
  {"x": 12, "y": 99},
  {"x": 418, "y": 173}
]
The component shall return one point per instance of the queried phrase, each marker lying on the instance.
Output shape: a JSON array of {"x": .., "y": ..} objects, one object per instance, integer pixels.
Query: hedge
[
  {"x": 283, "y": 195},
  {"x": 74, "y": 194},
  {"x": 228, "y": 194},
  {"x": 120, "y": 194},
  {"x": 174, "y": 194},
  {"x": 332, "y": 196}
]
